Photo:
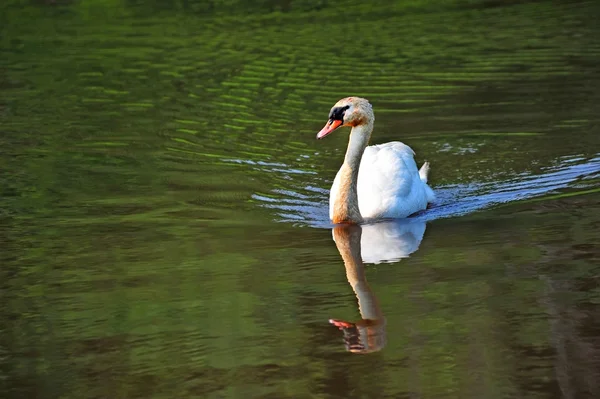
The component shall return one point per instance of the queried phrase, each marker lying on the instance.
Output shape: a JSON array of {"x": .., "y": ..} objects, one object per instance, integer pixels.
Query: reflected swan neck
[{"x": 347, "y": 240}]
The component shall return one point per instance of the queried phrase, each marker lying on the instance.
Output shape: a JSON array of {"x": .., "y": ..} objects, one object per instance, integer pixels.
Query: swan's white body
[{"x": 389, "y": 183}]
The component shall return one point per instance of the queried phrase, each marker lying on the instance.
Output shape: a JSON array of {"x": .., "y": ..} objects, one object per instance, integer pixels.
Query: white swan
[{"x": 375, "y": 182}]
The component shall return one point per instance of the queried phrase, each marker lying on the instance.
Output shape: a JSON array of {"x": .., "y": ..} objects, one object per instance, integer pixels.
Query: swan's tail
[{"x": 424, "y": 171}]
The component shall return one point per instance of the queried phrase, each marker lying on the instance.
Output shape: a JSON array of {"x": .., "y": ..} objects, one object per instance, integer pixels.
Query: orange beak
[{"x": 330, "y": 126}]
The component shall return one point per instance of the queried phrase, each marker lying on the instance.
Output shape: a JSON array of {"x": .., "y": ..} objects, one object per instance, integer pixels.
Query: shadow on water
[{"x": 311, "y": 208}]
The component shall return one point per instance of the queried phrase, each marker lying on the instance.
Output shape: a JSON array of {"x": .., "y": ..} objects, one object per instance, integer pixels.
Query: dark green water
[{"x": 163, "y": 209}]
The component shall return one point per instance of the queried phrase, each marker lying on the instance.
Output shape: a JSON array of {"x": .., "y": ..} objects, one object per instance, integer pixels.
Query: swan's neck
[
  {"x": 359, "y": 140},
  {"x": 345, "y": 208}
]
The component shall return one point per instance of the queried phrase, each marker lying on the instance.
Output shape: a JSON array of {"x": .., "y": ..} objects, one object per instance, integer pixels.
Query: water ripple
[{"x": 311, "y": 207}]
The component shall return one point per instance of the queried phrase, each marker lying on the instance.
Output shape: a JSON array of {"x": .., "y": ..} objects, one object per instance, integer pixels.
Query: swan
[{"x": 375, "y": 182}]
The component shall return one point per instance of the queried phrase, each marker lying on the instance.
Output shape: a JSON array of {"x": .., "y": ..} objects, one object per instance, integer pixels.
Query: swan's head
[{"x": 349, "y": 111}]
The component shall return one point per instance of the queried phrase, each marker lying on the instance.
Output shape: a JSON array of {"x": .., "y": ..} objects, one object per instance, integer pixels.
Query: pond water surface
[{"x": 163, "y": 216}]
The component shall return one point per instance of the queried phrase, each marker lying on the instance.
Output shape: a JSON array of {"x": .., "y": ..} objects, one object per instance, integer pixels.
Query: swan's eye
[{"x": 337, "y": 113}]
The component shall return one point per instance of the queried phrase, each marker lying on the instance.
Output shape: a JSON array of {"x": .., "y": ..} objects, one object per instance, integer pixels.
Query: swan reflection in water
[{"x": 386, "y": 241}]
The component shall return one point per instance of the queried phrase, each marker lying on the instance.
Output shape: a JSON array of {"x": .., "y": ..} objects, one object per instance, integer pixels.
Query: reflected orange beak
[
  {"x": 330, "y": 126},
  {"x": 341, "y": 324}
]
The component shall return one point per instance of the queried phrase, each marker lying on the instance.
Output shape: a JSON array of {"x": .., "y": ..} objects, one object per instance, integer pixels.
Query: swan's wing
[{"x": 389, "y": 184}]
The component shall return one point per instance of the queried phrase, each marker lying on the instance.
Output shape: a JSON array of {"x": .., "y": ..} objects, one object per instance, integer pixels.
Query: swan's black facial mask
[{"x": 337, "y": 113}]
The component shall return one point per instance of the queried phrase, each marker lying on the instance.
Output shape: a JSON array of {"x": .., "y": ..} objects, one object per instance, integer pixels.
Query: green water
[{"x": 163, "y": 200}]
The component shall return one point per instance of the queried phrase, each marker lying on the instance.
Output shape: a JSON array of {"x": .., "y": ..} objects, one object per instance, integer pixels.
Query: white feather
[{"x": 389, "y": 183}]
